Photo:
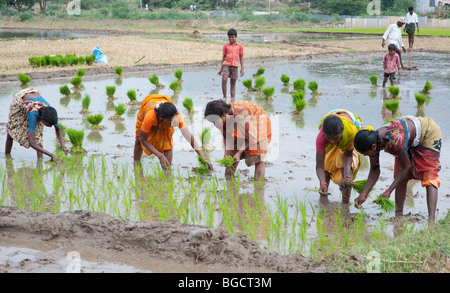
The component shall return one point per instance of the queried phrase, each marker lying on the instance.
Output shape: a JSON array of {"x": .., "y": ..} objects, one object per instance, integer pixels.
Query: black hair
[
  {"x": 391, "y": 47},
  {"x": 332, "y": 124},
  {"x": 232, "y": 32},
  {"x": 216, "y": 109},
  {"x": 167, "y": 110},
  {"x": 410, "y": 8},
  {"x": 49, "y": 115},
  {"x": 363, "y": 141}
]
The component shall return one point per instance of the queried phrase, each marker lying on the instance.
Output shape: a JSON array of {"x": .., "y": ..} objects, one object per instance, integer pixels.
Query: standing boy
[
  {"x": 391, "y": 62},
  {"x": 233, "y": 54},
  {"x": 411, "y": 22}
]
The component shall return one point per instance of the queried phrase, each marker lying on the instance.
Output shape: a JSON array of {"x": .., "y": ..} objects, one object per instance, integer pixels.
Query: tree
[
  {"x": 343, "y": 7},
  {"x": 25, "y": 3},
  {"x": 42, "y": 5}
]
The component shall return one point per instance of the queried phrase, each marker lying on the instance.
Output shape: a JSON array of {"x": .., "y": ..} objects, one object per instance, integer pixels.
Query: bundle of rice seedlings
[
  {"x": 285, "y": 79},
  {"x": 394, "y": 90},
  {"x": 313, "y": 86},
  {"x": 24, "y": 79},
  {"x": 81, "y": 72},
  {"x": 95, "y": 121},
  {"x": 427, "y": 87},
  {"x": 178, "y": 74},
  {"x": 110, "y": 91},
  {"x": 299, "y": 105},
  {"x": 373, "y": 80},
  {"x": 228, "y": 161},
  {"x": 268, "y": 92},
  {"x": 119, "y": 71},
  {"x": 203, "y": 169},
  {"x": 90, "y": 59},
  {"x": 76, "y": 139},
  {"x": 391, "y": 105},
  {"x": 385, "y": 204},
  {"x": 299, "y": 85},
  {"x": 120, "y": 110},
  {"x": 64, "y": 90},
  {"x": 248, "y": 84},
  {"x": 260, "y": 71},
  {"x": 259, "y": 83},
  {"x": 131, "y": 94},
  {"x": 155, "y": 80},
  {"x": 297, "y": 96},
  {"x": 81, "y": 60},
  {"x": 63, "y": 130},
  {"x": 175, "y": 86},
  {"x": 85, "y": 103},
  {"x": 189, "y": 105},
  {"x": 205, "y": 140},
  {"x": 76, "y": 82},
  {"x": 358, "y": 185},
  {"x": 420, "y": 99}
]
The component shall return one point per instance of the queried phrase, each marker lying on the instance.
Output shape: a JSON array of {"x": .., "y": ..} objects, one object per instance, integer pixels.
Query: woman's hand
[
  {"x": 56, "y": 159},
  {"x": 360, "y": 200},
  {"x": 323, "y": 189},
  {"x": 64, "y": 149},
  {"x": 163, "y": 161}
]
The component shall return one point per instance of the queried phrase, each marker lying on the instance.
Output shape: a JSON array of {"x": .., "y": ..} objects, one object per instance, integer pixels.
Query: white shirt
[
  {"x": 411, "y": 18},
  {"x": 394, "y": 35}
]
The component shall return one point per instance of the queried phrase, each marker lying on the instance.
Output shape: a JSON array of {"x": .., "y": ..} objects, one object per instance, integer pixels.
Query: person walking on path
[
  {"x": 411, "y": 22},
  {"x": 394, "y": 36},
  {"x": 233, "y": 54}
]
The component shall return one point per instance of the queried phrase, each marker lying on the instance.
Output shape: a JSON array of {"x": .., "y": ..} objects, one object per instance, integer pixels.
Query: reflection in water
[{"x": 95, "y": 136}]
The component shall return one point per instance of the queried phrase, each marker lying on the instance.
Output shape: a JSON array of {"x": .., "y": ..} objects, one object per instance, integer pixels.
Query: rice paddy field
[{"x": 285, "y": 213}]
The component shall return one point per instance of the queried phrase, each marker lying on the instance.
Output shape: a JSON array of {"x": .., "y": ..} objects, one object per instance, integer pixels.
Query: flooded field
[{"x": 292, "y": 216}]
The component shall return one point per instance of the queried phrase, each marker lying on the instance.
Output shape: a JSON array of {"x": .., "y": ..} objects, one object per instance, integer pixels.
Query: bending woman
[
  {"x": 415, "y": 142},
  {"x": 336, "y": 158},
  {"x": 28, "y": 113},
  {"x": 246, "y": 131},
  {"x": 154, "y": 130}
]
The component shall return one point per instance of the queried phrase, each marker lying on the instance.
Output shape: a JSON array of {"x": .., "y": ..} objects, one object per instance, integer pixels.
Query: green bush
[{"x": 25, "y": 16}]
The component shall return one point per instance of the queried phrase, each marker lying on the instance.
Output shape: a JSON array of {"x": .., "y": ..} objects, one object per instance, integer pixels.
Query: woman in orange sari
[
  {"x": 246, "y": 131},
  {"x": 154, "y": 130}
]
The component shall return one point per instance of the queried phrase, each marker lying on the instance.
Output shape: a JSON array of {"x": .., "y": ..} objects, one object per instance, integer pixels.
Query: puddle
[
  {"x": 290, "y": 170},
  {"x": 6, "y": 34}
]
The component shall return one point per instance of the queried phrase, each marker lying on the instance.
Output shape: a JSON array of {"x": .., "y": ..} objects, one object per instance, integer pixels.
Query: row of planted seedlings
[{"x": 125, "y": 191}]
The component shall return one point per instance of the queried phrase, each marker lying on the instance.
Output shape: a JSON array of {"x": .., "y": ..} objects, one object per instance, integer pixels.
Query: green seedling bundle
[
  {"x": 228, "y": 161},
  {"x": 155, "y": 80}
]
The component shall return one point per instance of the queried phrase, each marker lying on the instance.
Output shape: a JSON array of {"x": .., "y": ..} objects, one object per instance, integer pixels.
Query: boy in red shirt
[
  {"x": 233, "y": 54},
  {"x": 391, "y": 61}
]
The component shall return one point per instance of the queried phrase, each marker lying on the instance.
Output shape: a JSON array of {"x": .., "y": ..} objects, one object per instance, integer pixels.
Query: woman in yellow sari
[
  {"x": 336, "y": 158},
  {"x": 154, "y": 130}
]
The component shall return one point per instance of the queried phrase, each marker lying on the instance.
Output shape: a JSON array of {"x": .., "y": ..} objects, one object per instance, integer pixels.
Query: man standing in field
[
  {"x": 233, "y": 54},
  {"x": 411, "y": 22},
  {"x": 394, "y": 35}
]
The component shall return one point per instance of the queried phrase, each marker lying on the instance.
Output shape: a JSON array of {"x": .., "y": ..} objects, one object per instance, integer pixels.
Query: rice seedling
[
  {"x": 85, "y": 103},
  {"x": 131, "y": 94},
  {"x": 285, "y": 79},
  {"x": 24, "y": 79},
  {"x": 76, "y": 139},
  {"x": 90, "y": 59},
  {"x": 385, "y": 204},
  {"x": 76, "y": 82},
  {"x": 175, "y": 86},
  {"x": 297, "y": 96},
  {"x": 299, "y": 105},
  {"x": 314, "y": 86},
  {"x": 259, "y": 83},
  {"x": 155, "y": 80},
  {"x": 420, "y": 99},
  {"x": 394, "y": 90},
  {"x": 358, "y": 185},
  {"x": 391, "y": 105},
  {"x": 95, "y": 121},
  {"x": 259, "y": 72},
  {"x": 65, "y": 90},
  {"x": 120, "y": 110},
  {"x": 205, "y": 140},
  {"x": 178, "y": 74},
  {"x": 248, "y": 83},
  {"x": 119, "y": 71},
  {"x": 427, "y": 87},
  {"x": 299, "y": 85},
  {"x": 189, "y": 105},
  {"x": 268, "y": 92},
  {"x": 203, "y": 169},
  {"x": 373, "y": 80},
  {"x": 228, "y": 161},
  {"x": 81, "y": 72},
  {"x": 110, "y": 91}
]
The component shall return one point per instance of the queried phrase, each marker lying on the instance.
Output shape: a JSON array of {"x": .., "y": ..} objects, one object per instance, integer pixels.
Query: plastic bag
[{"x": 99, "y": 56}]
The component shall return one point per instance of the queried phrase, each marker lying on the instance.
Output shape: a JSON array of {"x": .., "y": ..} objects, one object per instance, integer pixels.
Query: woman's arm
[
  {"x": 372, "y": 178},
  {"x": 36, "y": 146},
  {"x": 191, "y": 139},
  {"x": 405, "y": 164},
  {"x": 58, "y": 132},
  {"x": 143, "y": 136},
  {"x": 320, "y": 171}
]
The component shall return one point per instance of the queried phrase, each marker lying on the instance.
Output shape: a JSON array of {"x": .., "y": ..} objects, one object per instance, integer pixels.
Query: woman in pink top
[
  {"x": 233, "y": 53},
  {"x": 391, "y": 62}
]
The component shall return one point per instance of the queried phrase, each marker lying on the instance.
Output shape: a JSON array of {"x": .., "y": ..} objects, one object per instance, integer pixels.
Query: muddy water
[{"x": 290, "y": 172}]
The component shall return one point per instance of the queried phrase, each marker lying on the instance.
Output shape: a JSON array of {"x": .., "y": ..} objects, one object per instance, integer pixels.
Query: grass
[
  {"x": 314, "y": 87},
  {"x": 119, "y": 71},
  {"x": 299, "y": 105},
  {"x": 259, "y": 83},
  {"x": 24, "y": 79},
  {"x": 426, "y": 88},
  {"x": 421, "y": 99},
  {"x": 260, "y": 71},
  {"x": 394, "y": 90},
  {"x": 85, "y": 103},
  {"x": 154, "y": 79},
  {"x": 95, "y": 120},
  {"x": 76, "y": 82},
  {"x": 203, "y": 169},
  {"x": 76, "y": 138},
  {"x": 268, "y": 92},
  {"x": 445, "y": 32},
  {"x": 391, "y": 105},
  {"x": 188, "y": 104},
  {"x": 248, "y": 83},
  {"x": 65, "y": 90},
  {"x": 296, "y": 96},
  {"x": 131, "y": 94},
  {"x": 385, "y": 204},
  {"x": 110, "y": 91},
  {"x": 373, "y": 80},
  {"x": 299, "y": 85},
  {"x": 284, "y": 79},
  {"x": 81, "y": 72},
  {"x": 175, "y": 86},
  {"x": 120, "y": 110},
  {"x": 205, "y": 140},
  {"x": 178, "y": 75}
]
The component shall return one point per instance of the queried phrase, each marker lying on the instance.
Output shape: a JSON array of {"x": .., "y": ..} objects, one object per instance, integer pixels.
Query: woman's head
[
  {"x": 333, "y": 127},
  {"x": 368, "y": 143},
  {"x": 166, "y": 111},
  {"x": 48, "y": 115},
  {"x": 216, "y": 110}
]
